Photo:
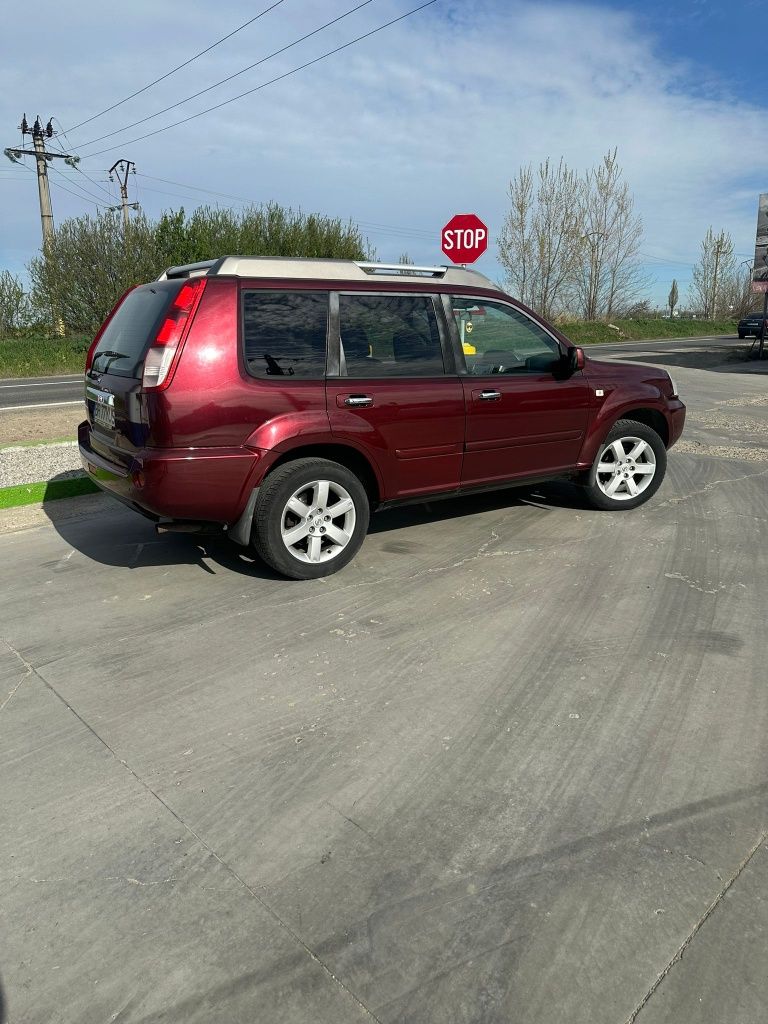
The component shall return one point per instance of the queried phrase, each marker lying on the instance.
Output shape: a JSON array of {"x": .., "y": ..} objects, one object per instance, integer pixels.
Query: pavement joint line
[
  {"x": 26, "y": 675},
  {"x": 696, "y": 928},
  {"x": 32, "y": 671}
]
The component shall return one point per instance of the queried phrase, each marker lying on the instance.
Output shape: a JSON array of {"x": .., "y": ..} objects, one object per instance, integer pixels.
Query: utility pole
[
  {"x": 42, "y": 157},
  {"x": 123, "y": 167}
]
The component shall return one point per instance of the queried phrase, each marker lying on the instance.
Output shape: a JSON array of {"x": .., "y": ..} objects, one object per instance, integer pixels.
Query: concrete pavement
[{"x": 509, "y": 766}]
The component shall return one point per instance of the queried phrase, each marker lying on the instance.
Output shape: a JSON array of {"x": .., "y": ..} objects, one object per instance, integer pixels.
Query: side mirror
[{"x": 576, "y": 359}]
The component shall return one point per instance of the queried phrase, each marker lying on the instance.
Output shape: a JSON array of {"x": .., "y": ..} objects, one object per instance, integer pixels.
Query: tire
[
  {"x": 303, "y": 546},
  {"x": 632, "y": 446}
]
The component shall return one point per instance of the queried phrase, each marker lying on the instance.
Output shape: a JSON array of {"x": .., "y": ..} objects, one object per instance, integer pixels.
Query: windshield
[{"x": 124, "y": 344}]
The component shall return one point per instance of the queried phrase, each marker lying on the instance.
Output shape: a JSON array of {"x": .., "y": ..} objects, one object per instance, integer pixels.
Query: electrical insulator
[
  {"x": 24, "y": 126},
  {"x": 49, "y": 129}
]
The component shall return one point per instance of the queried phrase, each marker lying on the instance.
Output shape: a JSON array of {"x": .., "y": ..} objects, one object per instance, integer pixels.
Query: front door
[
  {"x": 397, "y": 396},
  {"x": 525, "y": 417}
]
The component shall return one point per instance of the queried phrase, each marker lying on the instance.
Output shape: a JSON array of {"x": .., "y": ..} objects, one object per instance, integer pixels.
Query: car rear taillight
[
  {"x": 97, "y": 339},
  {"x": 161, "y": 357}
]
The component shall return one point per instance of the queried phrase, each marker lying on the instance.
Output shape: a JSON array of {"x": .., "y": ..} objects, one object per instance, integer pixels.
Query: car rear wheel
[
  {"x": 311, "y": 518},
  {"x": 629, "y": 467}
]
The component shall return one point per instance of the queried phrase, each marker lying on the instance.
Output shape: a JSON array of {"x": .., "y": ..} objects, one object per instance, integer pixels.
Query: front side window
[
  {"x": 499, "y": 339},
  {"x": 284, "y": 333},
  {"x": 389, "y": 336}
]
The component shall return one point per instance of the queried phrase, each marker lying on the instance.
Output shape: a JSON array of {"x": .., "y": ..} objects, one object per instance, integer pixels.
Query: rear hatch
[{"x": 114, "y": 389}]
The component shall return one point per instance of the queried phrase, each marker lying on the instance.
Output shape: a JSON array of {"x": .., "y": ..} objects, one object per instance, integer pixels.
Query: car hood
[{"x": 623, "y": 373}]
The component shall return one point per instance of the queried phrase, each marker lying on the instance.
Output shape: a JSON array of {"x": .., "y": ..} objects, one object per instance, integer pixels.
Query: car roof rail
[{"x": 401, "y": 268}]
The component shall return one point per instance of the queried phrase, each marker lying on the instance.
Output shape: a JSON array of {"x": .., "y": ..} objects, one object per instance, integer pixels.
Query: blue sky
[{"x": 430, "y": 117}]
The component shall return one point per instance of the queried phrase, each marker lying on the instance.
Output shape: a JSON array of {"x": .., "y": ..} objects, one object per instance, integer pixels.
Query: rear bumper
[{"x": 210, "y": 484}]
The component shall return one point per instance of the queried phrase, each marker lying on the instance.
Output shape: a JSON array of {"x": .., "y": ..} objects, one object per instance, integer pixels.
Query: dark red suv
[{"x": 280, "y": 400}]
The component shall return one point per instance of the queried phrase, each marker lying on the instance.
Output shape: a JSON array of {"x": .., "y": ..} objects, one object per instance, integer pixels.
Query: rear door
[
  {"x": 397, "y": 395},
  {"x": 525, "y": 417}
]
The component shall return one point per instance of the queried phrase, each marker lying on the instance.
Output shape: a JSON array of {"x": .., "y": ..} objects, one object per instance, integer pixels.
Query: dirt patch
[{"x": 57, "y": 423}]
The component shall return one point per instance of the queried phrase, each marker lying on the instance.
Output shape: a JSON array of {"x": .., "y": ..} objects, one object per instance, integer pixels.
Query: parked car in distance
[
  {"x": 751, "y": 325},
  {"x": 280, "y": 401}
]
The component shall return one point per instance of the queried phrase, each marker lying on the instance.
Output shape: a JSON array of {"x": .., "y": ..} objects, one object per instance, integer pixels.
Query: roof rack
[
  {"x": 188, "y": 270},
  {"x": 309, "y": 269}
]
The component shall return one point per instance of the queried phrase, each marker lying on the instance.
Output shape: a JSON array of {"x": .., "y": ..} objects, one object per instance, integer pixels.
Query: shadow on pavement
[
  {"x": 704, "y": 357},
  {"x": 110, "y": 533}
]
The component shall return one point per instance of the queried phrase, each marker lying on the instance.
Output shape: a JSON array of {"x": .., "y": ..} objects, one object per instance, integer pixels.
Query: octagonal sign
[{"x": 464, "y": 238}]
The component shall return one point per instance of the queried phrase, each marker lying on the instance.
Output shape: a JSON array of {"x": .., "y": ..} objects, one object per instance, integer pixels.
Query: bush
[{"x": 91, "y": 262}]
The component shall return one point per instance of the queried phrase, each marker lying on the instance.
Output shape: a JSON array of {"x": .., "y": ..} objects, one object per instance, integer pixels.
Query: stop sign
[{"x": 464, "y": 238}]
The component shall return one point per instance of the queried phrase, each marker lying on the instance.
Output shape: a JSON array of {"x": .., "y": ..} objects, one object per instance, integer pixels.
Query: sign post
[
  {"x": 464, "y": 238},
  {"x": 760, "y": 268}
]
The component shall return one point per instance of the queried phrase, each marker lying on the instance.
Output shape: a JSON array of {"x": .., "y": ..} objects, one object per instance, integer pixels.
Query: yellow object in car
[{"x": 469, "y": 350}]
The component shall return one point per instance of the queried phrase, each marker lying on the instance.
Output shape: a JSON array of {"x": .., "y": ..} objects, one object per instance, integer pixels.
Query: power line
[
  {"x": 278, "y": 78},
  {"x": 229, "y": 78},
  {"x": 174, "y": 70},
  {"x": 415, "y": 234},
  {"x": 82, "y": 192},
  {"x": 78, "y": 168}
]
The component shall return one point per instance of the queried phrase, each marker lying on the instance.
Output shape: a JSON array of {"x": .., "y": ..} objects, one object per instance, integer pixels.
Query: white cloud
[{"x": 430, "y": 117}]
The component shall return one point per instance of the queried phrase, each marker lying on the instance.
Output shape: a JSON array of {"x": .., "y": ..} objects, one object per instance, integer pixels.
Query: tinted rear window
[
  {"x": 133, "y": 328},
  {"x": 285, "y": 333}
]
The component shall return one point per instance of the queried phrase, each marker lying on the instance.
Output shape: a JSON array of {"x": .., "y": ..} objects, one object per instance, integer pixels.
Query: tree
[
  {"x": 716, "y": 265},
  {"x": 609, "y": 277},
  {"x": 736, "y": 295},
  {"x": 16, "y": 312},
  {"x": 573, "y": 240},
  {"x": 673, "y": 297},
  {"x": 538, "y": 244}
]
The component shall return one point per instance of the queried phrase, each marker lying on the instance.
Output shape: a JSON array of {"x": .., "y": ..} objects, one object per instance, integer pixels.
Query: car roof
[{"x": 327, "y": 270}]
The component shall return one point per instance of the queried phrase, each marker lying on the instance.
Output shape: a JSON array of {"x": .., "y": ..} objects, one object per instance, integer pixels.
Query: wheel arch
[
  {"x": 345, "y": 455},
  {"x": 650, "y": 417}
]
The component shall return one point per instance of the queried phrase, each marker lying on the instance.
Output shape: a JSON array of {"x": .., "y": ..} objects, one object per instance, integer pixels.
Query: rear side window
[
  {"x": 390, "y": 336},
  {"x": 285, "y": 333},
  {"x": 132, "y": 330}
]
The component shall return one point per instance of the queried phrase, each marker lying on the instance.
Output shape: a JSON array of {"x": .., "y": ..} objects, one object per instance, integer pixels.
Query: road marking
[
  {"x": 40, "y": 405},
  {"x": 44, "y": 384}
]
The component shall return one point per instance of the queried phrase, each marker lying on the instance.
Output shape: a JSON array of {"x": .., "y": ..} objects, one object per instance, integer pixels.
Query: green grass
[
  {"x": 585, "y": 332},
  {"x": 50, "y": 490},
  {"x": 40, "y": 357}
]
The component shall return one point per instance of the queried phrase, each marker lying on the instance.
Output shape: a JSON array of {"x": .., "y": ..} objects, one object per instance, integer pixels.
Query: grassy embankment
[
  {"x": 39, "y": 357},
  {"x": 584, "y": 332}
]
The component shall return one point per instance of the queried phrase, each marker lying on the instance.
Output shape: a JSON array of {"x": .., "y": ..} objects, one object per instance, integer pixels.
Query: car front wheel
[
  {"x": 311, "y": 518},
  {"x": 629, "y": 467}
]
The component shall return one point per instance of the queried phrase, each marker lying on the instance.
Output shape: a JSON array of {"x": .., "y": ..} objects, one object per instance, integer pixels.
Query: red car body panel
[{"x": 196, "y": 449}]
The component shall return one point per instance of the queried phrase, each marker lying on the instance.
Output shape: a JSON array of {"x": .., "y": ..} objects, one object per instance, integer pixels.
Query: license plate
[{"x": 104, "y": 415}]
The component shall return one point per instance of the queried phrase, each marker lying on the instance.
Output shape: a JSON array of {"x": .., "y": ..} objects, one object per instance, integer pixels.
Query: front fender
[{"x": 617, "y": 402}]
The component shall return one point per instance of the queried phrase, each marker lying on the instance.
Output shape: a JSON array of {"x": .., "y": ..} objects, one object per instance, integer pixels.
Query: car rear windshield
[{"x": 131, "y": 331}]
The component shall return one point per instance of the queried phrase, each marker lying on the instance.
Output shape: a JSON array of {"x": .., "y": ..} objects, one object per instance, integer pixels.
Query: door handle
[
  {"x": 358, "y": 401},
  {"x": 489, "y": 396}
]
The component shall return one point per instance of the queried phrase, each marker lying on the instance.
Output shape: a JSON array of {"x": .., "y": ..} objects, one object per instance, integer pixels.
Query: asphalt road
[
  {"x": 508, "y": 767},
  {"x": 39, "y": 392}
]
